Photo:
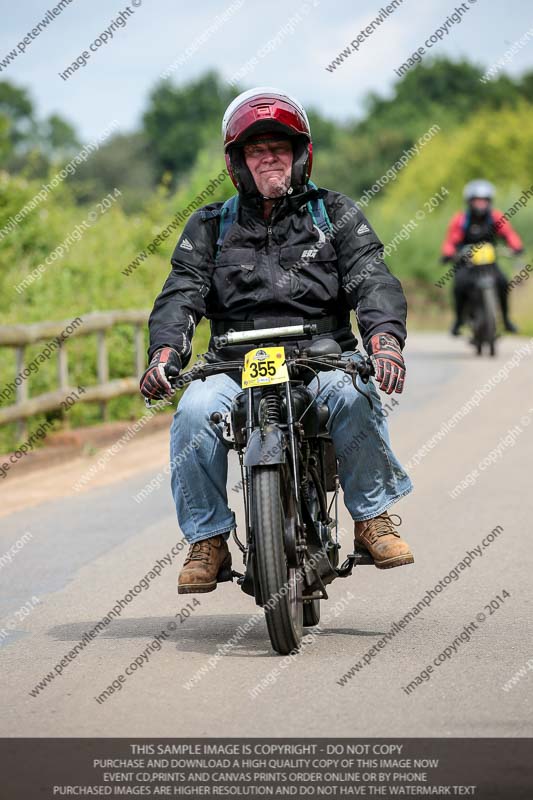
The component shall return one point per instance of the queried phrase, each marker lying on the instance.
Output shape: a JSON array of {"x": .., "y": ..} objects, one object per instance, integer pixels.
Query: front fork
[
  {"x": 293, "y": 450},
  {"x": 246, "y": 472},
  {"x": 269, "y": 409}
]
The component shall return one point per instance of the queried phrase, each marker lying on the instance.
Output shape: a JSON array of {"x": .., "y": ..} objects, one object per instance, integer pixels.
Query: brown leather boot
[
  {"x": 382, "y": 542},
  {"x": 204, "y": 561}
]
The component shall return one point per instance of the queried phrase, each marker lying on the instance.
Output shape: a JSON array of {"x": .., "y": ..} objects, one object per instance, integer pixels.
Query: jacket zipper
[{"x": 269, "y": 228}]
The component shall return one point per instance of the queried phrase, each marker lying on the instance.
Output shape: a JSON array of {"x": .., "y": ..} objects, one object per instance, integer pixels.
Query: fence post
[
  {"x": 62, "y": 374},
  {"x": 103, "y": 370},
  {"x": 22, "y": 389}
]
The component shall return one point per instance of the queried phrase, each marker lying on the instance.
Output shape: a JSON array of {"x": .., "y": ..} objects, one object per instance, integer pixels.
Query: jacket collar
[{"x": 285, "y": 206}]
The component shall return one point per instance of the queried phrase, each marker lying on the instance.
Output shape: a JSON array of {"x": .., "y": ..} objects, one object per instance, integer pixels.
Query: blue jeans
[{"x": 370, "y": 474}]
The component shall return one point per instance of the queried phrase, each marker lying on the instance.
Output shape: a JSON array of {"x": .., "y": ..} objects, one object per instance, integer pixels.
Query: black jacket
[{"x": 283, "y": 269}]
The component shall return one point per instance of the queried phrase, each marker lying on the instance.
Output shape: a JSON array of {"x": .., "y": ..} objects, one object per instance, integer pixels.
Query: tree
[
  {"x": 27, "y": 144},
  {"x": 58, "y": 137},
  {"x": 526, "y": 86},
  {"x": 323, "y": 131},
  {"x": 125, "y": 162},
  {"x": 440, "y": 91},
  {"x": 17, "y": 107},
  {"x": 180, "y": 121},
  {"x": 6, "y": 146}
]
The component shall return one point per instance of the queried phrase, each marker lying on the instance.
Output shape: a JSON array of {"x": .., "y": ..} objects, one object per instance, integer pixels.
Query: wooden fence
[{"x": 20, "y": 336}]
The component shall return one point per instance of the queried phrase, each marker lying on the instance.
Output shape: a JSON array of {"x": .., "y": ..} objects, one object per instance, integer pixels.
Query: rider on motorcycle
[
  {"x": 479, "y": 223},
  {"x": 275, "y": 267}
]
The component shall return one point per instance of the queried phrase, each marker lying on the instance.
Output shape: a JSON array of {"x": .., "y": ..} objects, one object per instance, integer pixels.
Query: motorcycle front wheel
[
  {"x": 491, "y": 316},
  {"x": 485, "y": 320},
  {"x": 281, "y": 585}
]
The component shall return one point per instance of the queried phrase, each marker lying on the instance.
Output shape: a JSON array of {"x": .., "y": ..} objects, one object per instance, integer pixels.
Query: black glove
[
  {"x": 386, "y": 354},
  {"x": 165, "y": 364}
]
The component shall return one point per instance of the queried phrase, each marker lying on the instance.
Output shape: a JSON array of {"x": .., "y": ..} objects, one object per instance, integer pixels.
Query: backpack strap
[
  {"x": 228, "y": 215},
  {"x": 230, "y": 209},
  {"x": 319, "y": 213}
]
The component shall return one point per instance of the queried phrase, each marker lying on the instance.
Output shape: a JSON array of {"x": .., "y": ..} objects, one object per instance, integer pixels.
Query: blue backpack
[{"x": 230, "y": 210}]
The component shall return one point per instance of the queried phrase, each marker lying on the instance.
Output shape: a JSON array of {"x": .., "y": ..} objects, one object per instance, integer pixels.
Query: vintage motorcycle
[
  {"x": 483, "y": 307},
  {"x": 288, "y": 467}
]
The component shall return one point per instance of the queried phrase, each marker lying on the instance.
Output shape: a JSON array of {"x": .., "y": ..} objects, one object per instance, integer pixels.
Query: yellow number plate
[
  {"x": 483, "y": 254},
  {"x": 264, "y": 366}
]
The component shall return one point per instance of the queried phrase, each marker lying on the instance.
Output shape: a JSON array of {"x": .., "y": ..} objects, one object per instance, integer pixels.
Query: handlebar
[
  {"x": 364, "y": 369},
  {"x": 507, "y": 252},
  {"x": 501, "y": 250}
]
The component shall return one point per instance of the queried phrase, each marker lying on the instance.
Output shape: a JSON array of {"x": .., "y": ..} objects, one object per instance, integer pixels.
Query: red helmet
[{"x": 267, "y": 110}]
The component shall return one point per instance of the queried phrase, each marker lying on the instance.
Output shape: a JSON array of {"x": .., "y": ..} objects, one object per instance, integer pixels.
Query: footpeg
[
  {"x": 358, "y": 557},
  {"x": 226, "y": 573},
  {"x": 362, "y": 556}
]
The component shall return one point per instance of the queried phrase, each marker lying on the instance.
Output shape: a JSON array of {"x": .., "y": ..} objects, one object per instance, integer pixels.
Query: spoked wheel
[{"x": 281, "y": 589}]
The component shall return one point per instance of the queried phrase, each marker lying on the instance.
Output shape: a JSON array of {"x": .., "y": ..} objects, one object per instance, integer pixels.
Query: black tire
[
  {"x": 284, "y": 617},
  {"x": 311, "y": 613},
  {"x": 312, "y": 607},
  {"x": 479, "y": 328},
  {"x": 490, "y": 301}
]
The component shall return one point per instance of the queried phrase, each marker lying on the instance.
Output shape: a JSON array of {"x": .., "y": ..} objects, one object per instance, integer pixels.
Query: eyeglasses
[{"x": 278, "y": 148}]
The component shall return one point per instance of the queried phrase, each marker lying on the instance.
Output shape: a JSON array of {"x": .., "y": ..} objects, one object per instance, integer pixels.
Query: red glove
[
  {"x": 165, "y": 364},
  {"x": 386, "y": 354}
]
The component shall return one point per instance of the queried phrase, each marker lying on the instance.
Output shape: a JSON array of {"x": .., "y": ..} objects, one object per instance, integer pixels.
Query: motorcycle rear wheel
[{"x": 311, "y": 613}]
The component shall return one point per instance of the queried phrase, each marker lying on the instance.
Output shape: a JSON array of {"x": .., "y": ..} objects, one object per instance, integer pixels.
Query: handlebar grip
[{"x": 365, "y": 371}]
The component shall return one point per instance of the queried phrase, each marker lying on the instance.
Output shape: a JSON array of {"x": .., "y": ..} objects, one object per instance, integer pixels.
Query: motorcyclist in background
[
  {"x": 479, "y": 223},
  {"x": 277, "y": 266}
]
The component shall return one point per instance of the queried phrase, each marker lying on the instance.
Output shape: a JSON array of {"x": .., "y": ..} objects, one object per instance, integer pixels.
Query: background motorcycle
[{"x": 483, "y": 307}]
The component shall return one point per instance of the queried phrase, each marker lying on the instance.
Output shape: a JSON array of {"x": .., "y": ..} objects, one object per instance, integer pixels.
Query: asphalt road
[{"x": 88, "y": 549}]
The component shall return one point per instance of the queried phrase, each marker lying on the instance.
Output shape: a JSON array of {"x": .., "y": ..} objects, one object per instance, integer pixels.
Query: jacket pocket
[
  {"x": 310, "y": 273},
  {"x": 235, "y": 274}
]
